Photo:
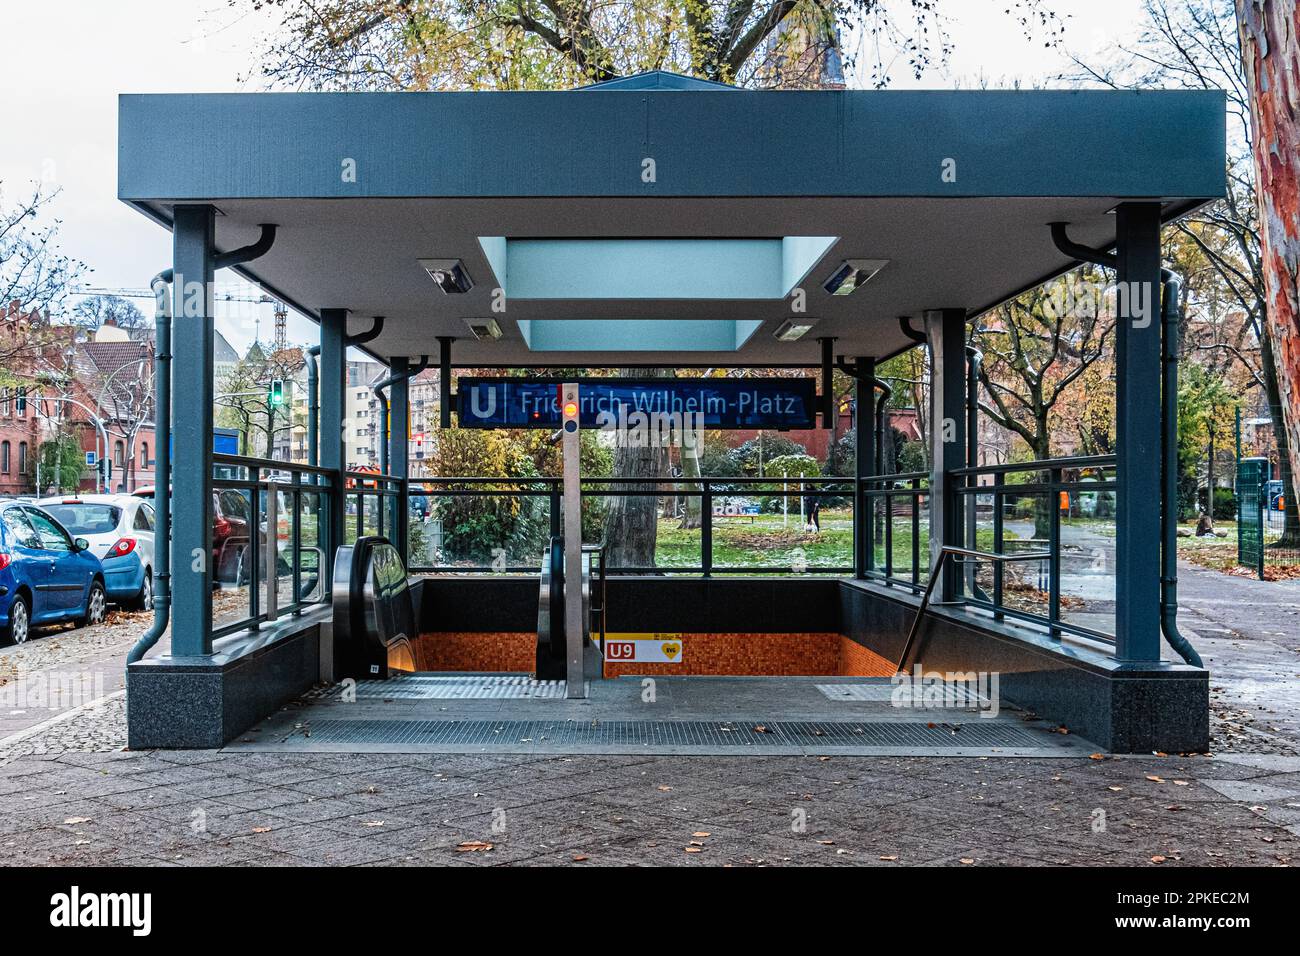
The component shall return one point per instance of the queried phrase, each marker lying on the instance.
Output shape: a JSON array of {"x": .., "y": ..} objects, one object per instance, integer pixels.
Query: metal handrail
[
  {"x": 598, "y": 551},
  {"x": 1042, "y": 464},
  {"x": 944, "y": 552}
]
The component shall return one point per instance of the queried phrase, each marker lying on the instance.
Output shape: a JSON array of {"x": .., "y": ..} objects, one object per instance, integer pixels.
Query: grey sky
[{"x": 66, "y": 61}]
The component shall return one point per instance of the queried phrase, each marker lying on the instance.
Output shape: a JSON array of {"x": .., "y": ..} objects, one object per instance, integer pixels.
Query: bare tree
[
  {"x": 1035, "y": 347},
  {"x": 541, "y": 44},
  {"x": 35, "y": 278},
  {"x": 94, "y": 310}
]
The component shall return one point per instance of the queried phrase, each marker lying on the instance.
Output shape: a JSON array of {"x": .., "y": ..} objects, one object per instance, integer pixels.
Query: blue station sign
[{"x": 781, "y": 403}]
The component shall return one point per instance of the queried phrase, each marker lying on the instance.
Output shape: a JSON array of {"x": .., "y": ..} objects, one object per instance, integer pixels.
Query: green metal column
[
  {"x": 193, "y": 232},
  {"x": 1137, "y": 425},
  {"x": 946, "y": 331},
  {"x": 333, "y": 402},
  {"x": 864, "y": 417},
  {"x": 399, "y": 418}
]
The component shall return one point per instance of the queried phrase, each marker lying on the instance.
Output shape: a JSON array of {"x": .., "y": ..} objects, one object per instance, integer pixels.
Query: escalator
[
  {"x": 550, "y": 611},
  {"x": 376, "y": 627}
]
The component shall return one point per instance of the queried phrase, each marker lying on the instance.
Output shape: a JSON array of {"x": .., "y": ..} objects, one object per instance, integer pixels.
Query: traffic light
[
  {"x": 569, "y": 410},
  {"x": 277, "y": 392}
]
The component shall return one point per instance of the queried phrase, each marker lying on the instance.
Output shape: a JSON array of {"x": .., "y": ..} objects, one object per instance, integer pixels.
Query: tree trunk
[
  {"x": 692, "y": 447},
  {"x": 1291, "y": 508},
  {"x": 1209, "y": 484},
  {"x": 1044, "y": 503},
  {"x": 632, "y": 522},
  {"x": 1271, "y": 56}
]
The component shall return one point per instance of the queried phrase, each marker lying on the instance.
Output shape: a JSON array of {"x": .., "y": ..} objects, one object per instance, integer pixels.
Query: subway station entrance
[{"x": 634, "y": 236}]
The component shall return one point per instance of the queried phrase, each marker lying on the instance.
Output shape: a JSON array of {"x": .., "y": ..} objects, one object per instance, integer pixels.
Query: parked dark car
[
  {"x": 46, "y": 575},
  {"x": 1276, "y": 494},
  {"x": 230, "y": 536}
]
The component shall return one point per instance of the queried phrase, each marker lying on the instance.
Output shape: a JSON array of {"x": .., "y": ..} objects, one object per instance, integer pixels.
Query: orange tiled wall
[
  {"x": 477, "y": 651},
  {"x": 765, "y": 655},
  {"x": 705, "y": 653}
]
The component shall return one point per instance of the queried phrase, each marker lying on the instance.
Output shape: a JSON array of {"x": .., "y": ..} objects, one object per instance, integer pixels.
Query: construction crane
[
  {"x": 146, "y": 294},
  {"x": 281, "y": 313},
  {"x": 281, "y": 328}
]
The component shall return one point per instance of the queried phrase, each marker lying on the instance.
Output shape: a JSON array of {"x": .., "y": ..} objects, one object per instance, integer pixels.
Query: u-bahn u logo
[{"x": 475, "y": 408}]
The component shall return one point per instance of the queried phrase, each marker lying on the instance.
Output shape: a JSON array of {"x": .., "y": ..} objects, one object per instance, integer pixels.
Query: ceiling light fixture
[
  {"x": 485, "y": 330},
  {"x": 792, "y": 330},
  {"x": 852, "y": 275},
  {"x": 450, "y": 274}
]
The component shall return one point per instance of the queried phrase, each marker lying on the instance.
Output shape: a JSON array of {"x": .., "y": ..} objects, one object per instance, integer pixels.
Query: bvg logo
[{"x": 620, "y": 650}]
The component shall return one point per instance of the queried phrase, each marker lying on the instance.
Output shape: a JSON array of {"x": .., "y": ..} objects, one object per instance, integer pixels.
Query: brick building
[{"x": 56, "y": 380}]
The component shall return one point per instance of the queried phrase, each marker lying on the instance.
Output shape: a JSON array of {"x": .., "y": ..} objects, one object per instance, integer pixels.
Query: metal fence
[
  {"x": 1062, "y": 507},
  {"x": 700, "y": 526},
  {"x": 267, "y": 551},
  {"x": 269, "y": 518},
  {"x": 1262, "y": 541}
]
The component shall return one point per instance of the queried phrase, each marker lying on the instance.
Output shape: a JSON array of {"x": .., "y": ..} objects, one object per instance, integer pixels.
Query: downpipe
[
  {"x": 313, "y": 406},
  {"x": 1171, "y": 290},
  {"x": 162, "y": 499},
  {"x": 1169, "y": 471},
  {"x": 160, "y": 285},
  {"x": 402, "y": 376}
]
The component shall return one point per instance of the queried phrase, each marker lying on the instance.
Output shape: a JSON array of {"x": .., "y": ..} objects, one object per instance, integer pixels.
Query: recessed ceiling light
[
  {"x": 793, "y": 329},
  {"x": 853, "y": 274},
  {"x": 450, "y": 274}
]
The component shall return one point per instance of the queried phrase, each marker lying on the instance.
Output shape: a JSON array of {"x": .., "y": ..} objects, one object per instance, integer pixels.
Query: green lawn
[{"x": 764, "y": 541}]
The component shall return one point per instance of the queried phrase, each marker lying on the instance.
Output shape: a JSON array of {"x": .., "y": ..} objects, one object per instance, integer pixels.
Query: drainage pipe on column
[
  {"x": 410, "y": 372},
  {"x": 313, "y": 387},
  {"x": 313, "y": 407},
  {"x": 1171, "y": 289},
  {"x": 162, "y": 498}
]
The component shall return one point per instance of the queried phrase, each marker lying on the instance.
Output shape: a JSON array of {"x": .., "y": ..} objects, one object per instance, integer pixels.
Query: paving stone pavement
[{"x": 75, "y": 797}]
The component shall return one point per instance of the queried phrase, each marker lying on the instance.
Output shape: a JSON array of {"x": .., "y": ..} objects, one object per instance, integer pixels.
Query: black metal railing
[
  {"x": 705, "y": 526},
  {"x": 1061, "y": 508},
  {"x": 893, "y": 505},
  {"x": 723, "y": 525},
  {"x": 372, "y": 504},
  {"x": 267, "y": 546}
]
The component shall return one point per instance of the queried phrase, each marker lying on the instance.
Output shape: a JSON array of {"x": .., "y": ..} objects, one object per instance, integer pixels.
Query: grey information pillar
[{"x": 574, "y": 626}]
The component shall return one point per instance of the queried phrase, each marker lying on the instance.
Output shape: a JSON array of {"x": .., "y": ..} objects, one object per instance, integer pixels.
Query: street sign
[{"x": 781, "y": 403}]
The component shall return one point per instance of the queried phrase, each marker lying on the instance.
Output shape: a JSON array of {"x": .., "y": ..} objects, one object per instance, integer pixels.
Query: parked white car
[{"x": 120, "y": 531}]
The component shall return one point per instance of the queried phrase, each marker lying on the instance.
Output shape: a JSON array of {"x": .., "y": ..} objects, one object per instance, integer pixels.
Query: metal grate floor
[
  {"x": 455, "y": 687},
  {"x": 954, "y": 694},
  {"x": 638, "y": 735}
]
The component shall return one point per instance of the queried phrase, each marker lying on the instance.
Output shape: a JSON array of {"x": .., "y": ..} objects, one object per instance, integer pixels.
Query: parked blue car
[{"x": 46, "y": 575}]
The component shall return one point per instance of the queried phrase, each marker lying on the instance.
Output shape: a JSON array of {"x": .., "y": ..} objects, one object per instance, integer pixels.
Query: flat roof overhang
[{"x": 841, "y": 174}]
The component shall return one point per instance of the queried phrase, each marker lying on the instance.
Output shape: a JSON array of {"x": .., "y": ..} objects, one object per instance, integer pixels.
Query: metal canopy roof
[{"x": 478, "y": 176}]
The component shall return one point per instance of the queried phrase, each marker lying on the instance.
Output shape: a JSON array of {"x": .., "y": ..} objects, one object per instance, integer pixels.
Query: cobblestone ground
[{"x": 73, "y": 795}]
